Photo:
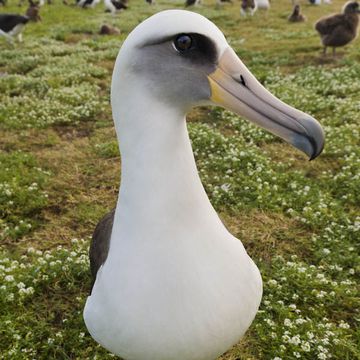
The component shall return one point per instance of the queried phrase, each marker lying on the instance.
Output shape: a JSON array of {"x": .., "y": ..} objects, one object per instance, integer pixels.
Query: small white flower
[
  {"x": 295, "y": 340},
  {"x": 269, "y": 322},
  {"x": 30, "y": 290},
  {"x": 344, "y": 325},
  {"x": 310, "y": 335},
  {"x": 321, "y": 294},
  {"x": 305, "y": 346},
  {"x": 225, "y": 187},
  {"x": 285, "y": 338},
  {"x": 20, "y": 285},
  {"x": 300, "y": 321}
]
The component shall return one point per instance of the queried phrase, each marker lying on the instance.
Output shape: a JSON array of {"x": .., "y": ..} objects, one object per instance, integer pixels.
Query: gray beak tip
[
  {"x": 316, "y": 153},
  {"x": 311, "y": 140}
]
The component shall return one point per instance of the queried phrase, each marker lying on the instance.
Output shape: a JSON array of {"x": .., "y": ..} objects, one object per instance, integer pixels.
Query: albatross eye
[{"x": 183, "y": 42}]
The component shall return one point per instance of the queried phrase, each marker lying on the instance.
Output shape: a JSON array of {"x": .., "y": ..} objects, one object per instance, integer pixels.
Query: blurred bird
[
  {"x": 41, "y": 2},
  {"x": 263, "y": 4},
  {"x": 222, "y": 2},
  {"x": 12, "y": 25},
  {"x": 109, "y": 30},
  {"x": 192, "y": 2},
  {"x": 114, "y": 6},
  {"x": 339, "y": 29},
  {"x": 33, "y": 11},
  {"x": 296, "y": 15},
  {"x": 248, "y": 7},
  {"x": 87, "y": 3}
]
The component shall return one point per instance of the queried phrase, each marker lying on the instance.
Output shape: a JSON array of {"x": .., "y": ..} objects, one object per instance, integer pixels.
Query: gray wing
[{"x": 100, "y": 243}]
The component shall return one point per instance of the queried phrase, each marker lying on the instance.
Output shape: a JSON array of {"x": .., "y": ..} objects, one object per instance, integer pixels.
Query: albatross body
[{"x": 173, "y": 283}]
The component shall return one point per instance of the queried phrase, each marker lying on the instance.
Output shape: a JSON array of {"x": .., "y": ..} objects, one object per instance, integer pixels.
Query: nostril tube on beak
[{"x": 242, "y": 80}]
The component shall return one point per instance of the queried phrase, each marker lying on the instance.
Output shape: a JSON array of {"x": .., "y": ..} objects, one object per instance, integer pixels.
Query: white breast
[{"x": 183, "y": 299}]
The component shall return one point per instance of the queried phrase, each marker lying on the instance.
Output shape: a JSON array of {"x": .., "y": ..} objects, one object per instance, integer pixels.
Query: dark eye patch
[{"x": 202, "y": 50}]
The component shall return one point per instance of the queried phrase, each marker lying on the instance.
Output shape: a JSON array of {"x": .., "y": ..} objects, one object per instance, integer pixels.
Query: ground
[{"x": 60, "y": 172}]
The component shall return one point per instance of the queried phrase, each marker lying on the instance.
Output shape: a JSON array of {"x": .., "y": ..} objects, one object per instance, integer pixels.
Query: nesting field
[{"x": 60, "y": 173}]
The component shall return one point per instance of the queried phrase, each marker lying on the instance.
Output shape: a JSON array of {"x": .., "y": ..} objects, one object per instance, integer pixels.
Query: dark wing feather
[
  {"x": 87, "y": 2},
  {"x": 100, "y": 244},
  {"x": 328, "y": 24},
  {"x": 9, "y": 21},
  {"x": 190, "y": 2},
  {"x": 119, "y": 4}
]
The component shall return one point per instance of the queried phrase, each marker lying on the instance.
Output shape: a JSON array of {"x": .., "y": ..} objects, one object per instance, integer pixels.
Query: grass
[{"x": 60, "y": 167}]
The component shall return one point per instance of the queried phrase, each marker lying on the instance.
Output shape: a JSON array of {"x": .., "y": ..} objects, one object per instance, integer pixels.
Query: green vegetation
[{"x": 60, "y": 165}]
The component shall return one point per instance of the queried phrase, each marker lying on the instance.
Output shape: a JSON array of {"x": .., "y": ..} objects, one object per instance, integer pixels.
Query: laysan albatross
[
  {"x": 171, "y": 282},
  {"x": 11, "y": 26}
]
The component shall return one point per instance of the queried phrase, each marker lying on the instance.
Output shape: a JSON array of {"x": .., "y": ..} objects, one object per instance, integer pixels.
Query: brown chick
[
  {"x": 109, "y": 30},
  {"x": 296, "y": 16},
  {"x": 339, "y": 29},
  {"x": 33, "y": 11}
]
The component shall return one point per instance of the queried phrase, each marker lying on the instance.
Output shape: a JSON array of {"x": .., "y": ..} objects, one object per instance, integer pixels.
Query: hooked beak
[{"x": 235, "y": 88}]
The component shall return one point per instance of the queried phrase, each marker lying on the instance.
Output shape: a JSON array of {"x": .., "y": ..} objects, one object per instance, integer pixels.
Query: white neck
[{"x": 159, "y": 180}]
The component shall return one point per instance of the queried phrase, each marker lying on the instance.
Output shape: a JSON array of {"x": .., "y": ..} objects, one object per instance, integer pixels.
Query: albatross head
[{"x": 181, "y": 59}]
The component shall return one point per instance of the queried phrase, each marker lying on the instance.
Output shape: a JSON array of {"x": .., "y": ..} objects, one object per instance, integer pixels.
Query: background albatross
[{"x": 171, "y": 282}]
